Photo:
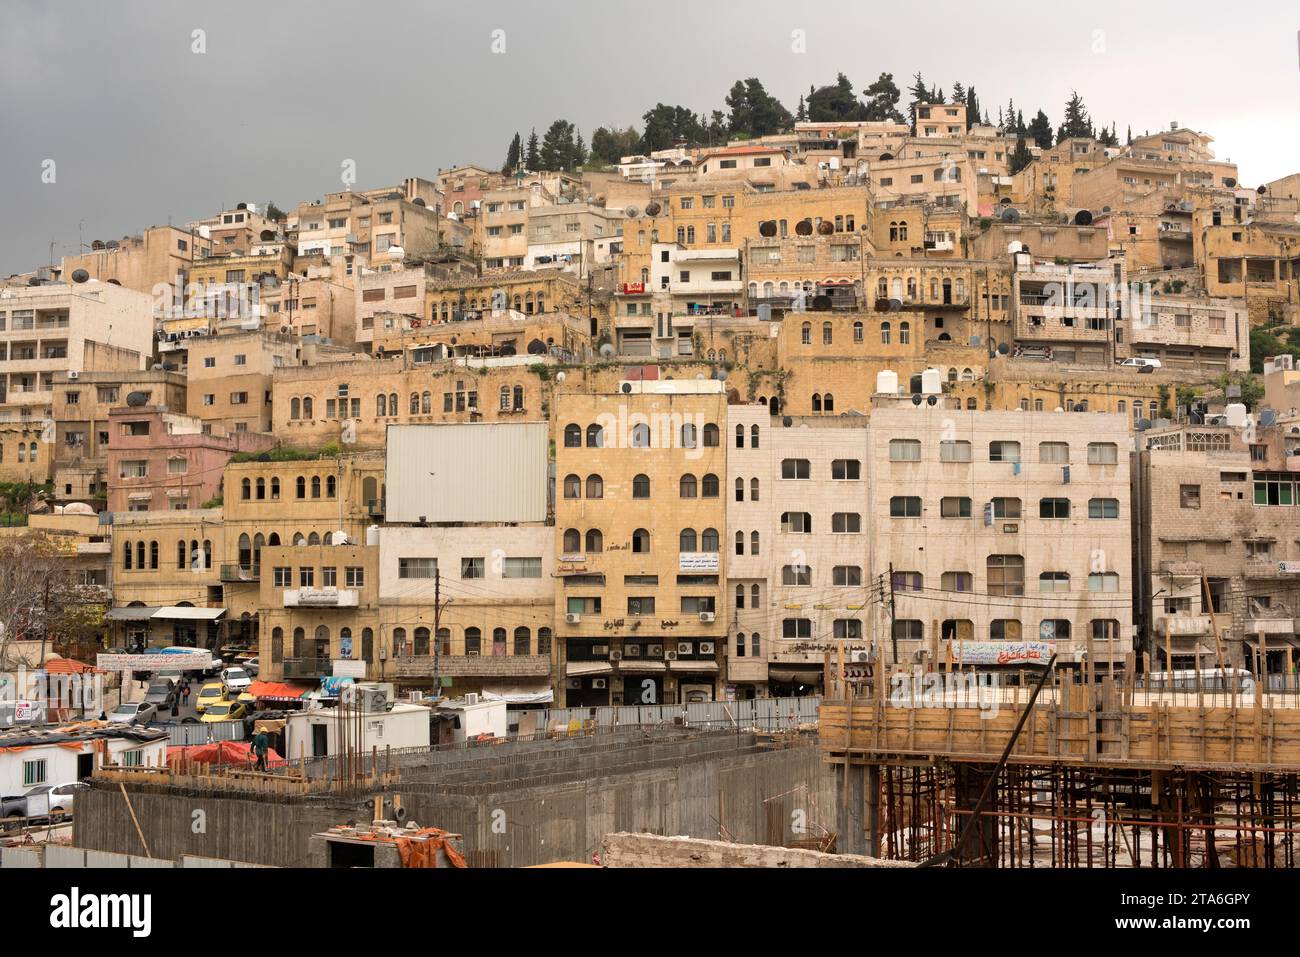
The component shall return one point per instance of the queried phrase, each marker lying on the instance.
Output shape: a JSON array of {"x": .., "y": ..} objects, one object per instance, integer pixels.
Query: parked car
[
  {"x": 235, "y": 680},
  {"x": 162, "y": 692},
  {"x": 53, "y": 802},
  {"x": 1141, "y": 363},
  {"x": 210, "y": 694},
  {"x": 224, "y": 711},
  {"x": 133, "y": 712},
  {"x": 252, "y": 665}
]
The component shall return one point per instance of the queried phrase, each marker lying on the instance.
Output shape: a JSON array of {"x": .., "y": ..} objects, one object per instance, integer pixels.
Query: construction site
[{"x": 1067, "y": 769}]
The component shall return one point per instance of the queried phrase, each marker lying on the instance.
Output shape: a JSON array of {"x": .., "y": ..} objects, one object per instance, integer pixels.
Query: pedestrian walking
[
  {"x": 185, "y": 693},
  {"x": 260, "y": 745}
]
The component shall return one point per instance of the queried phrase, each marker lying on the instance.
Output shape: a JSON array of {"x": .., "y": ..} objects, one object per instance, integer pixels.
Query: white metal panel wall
[{"x": 475, "y": 472}]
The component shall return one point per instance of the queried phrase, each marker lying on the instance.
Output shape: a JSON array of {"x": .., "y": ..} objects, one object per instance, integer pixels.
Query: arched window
[
  {"x": 709, "y": 486},
  {"x": 381, "y": 405},
  {"x": 857, "y": 331},
  {"x": 805, "y": 334},
  {"x": 595, "y": 541},
  {"x": 246, "y": 489},
  {"x": 261, "y": 489},
  {"x": 740, "y": 436},
  {"x": 753, "y": 543},
  {"x": 595, "y": 437},
  {"x": 331, "y": 487},
  {"x": 473, "y": 641},
  {"x": 426, "y": 403},
  {"x": 275, "y": 489},
  {"x": 139, "y": 555},
  {"x": 392, "y": 403},
  {"x": 498, "y": 642},
  {"x": 245, "y": 551},
  {"x": 572, "y": 541},
  {"x": 544, "y": 641},
  {"x": 315, "y": 486},
  {"x": 828, "y": 333},
  {"x": 828, "y": 403},
  {"x": 688, "y": 487},
  {"x": 367, "y": 644},
  {"x": 295, "y": 408},
  {"x": 640, "y": 436},
  {"x": 686, "y": 540},
  {"x": 273, "y": 541},
  {"x": 181, "y": 555},
  {"x": 300, "y": 486},
  {"x": 345, "y": 643},
  {"x": 415, "y": 403},
  {"x": 572, "y": 486},
  {"x": 572, "y": 436},
  {"x": 816, "y": 402},
  {"x": 313, "y": 538},
  {"x": 712, "y": 436},
  {"x": 753, "y": 490},
  {"x": 755, "y": 646},
  {"x": 595, "y": 486},
  {"x": 641, "y": 486},
  {"x": 884, "y": 333},
  {"x": 753, "y": 436},
  {"x": 904, "y": 333},
  {"x": 740, "y": 548},
  {"x": 740, "y": 642},
  {"x": 420, "y": 646},
  {"x": 399, "y": 642},
  {"x": 641, "y": 542},
  {"x": 126, "y": 556},
  {"x": 709, "y": 540},
  {"x": 299, "y": 639},
  {"x": 523, "y": 641},
  {"x": 753, "y": 596},
  {"x": 306, "y": 407}
]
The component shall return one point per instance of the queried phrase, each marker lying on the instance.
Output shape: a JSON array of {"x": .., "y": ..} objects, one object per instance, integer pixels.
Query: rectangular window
[
  {"x": 1189, "y": 496},
  {"x": 1053, "y": 508},
  {"x": 957, "y": 581},
  {"x": 1056, "y": 452},
  {"x": 1103, "y": 508},
  {"x": 1006, "y": 575},
  {"x": 954, "y": 507},
  {"x": 306, "y": 577},
  {"x": 521, "y": 568},
  {"x": 1103, "y": 582},
  {"x": 795, "y": 469},
  {"x": 641, "y": 606},
  {"x": 1006, "y": 508},
  {"x": 329, "y": 577},
  {"x": 33, "y": 772},
  {"x": 417, "y": 567},
  {"x": 282, "y": 576},
  {"x": 1103, "y": 453},
  {"x": 904, "y": 450},
  {"x": 847, "y": 575},
  {"x": 796, "y": 575},
  {"x": 796, "y": 628},
  {"x": 955, "y": 450},
  {"x": 847, "y": 523},
  {"x": 905, "y": 506},
  {"x": 354, "y": 576},
  {"x": 1054, "y": 582},
  {"x": 846, "y": 469},
  {"x": 1004, "y": 451}
]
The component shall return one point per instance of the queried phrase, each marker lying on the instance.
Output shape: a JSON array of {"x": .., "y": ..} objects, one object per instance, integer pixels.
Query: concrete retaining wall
[{"x": 651, "y": 850}]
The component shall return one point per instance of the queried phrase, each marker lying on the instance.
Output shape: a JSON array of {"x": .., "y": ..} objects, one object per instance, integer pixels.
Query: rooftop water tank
[
  {"x": 886, "y": 382},
  {"x": 372, "y": 535},
  {"x": 931, "y": 382},
  {"x": 1235, "y": 412}
]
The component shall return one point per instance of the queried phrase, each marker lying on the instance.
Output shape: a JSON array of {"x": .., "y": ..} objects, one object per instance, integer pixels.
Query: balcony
[
  {"x": 486, "y": 666},
  {"x": 307, "y": 667},
  {"x": 94, "y": 548},
  {"x": 321, "y": 598},
  {"x": 1263, "y": 568},
  {"x": 1181, "y": 569},
  {"x": 1184, "y": 625},
  {"x": 241, "y": 573}
]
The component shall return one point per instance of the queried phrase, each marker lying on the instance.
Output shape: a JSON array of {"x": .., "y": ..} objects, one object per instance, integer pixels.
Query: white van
[{"x": 1141, "y": 362}]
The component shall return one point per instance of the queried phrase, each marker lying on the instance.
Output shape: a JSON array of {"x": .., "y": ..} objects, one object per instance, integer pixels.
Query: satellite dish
[
  {"x": 1262, "y": 190},
  {"x": 607, "y": 351},
  {"x": 653, "y": 209},
  {"x": 895, "y": 305},
  {"x": 1010, "y": 215},
  {"x": 1083, "y": 218},
  {"x": 1003, "y": 349},
  {"x": 268, "y": 235},
  {"x": 826, "y": 227},
  {"x": 767, "y": 227},
  {"x": 627, "y": 388},
  {"x": 786, "y": 421},
  {"x": 720, "y": 375},
  {"x": 631, "y": 212},
  {"x": 396, "y": 252},
  {"x": 560, "y": 377},
  {"x": 1229, "y": 182},
  {"x": 537, "y": 348},
  {"x": 931, "y": 400},
  {"x": 80, "y": 275},
  {"x": 886, "y": 157},
  {"x": 916, "y": 399},
  {"x": 1105, "y": 209},
  {"x": 137, "y": 399},
  {"x": 804, "y": 227}
]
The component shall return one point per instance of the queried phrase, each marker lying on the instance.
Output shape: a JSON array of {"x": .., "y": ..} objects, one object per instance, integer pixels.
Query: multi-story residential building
[
  {"x": 1072, "y": 313},
  {"x": 375, "y": 226},
  {"x": 230, "y": 377},
  {"x": 582, "y": 236},
  {"x": 993, "y": 528},
  {"x": 1217, "y": 553},
  {"x": 159, "y": 258},
  {"x": 640, "y": 516},
  {"x": 81, "y": 416},
  {"x": 797, "y": 575},
  {"x": 234, "y": 232},
  {"x": 50, "y": 334},
  {"x": 935, "y": 120},
  {"x": 502, "y": 224},
  {"x": 160, "y": 460}
]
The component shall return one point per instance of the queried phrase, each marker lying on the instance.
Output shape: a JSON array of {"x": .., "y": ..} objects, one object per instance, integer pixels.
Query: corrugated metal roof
[{"x": 467, "y": 472}]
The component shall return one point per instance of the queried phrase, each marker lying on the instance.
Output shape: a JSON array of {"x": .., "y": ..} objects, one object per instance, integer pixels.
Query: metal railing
[{"x": 205, "y": 733}]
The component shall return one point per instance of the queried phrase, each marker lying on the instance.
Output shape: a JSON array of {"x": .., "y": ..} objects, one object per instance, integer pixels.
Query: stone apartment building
[
  {"x": 640, "y": 516},
  {"x": 159, "y": 256},
  {"x": 229, "y": 379},
  {"x": 1217, "y": 553},
  {"x": 997, "y": 527}
]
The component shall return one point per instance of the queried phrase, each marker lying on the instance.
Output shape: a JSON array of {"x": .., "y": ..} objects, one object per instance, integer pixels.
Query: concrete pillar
[{"x": 850, "y": 786}]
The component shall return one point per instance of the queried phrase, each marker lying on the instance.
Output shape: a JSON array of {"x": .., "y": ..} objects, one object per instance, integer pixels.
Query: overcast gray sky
[{"x": 142, "y": 129}]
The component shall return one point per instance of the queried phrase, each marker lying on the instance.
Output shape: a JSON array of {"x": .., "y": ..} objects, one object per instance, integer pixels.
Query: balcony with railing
[
  {"x": 241, "y": 573},
  {"x": 488, "y": 666},
  {"x": 307, "y": 667}
]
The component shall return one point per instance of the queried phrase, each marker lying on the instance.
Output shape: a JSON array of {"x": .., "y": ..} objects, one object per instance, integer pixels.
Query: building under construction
[{"x": 1064, "y": 771}]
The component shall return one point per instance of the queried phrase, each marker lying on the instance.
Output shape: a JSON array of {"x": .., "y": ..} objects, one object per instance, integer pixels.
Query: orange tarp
[
  {"x": 221, "y": 753},
  {"x": 420, "y": 853}
]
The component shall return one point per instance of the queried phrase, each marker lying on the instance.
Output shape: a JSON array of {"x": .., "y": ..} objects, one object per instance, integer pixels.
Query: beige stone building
[
  {"x": 160, "y": 256},
  {"x": 639, "y": 524}
]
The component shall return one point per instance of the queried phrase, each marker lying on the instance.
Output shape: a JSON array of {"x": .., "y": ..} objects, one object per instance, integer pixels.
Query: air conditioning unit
[
  {"x": 652, "y": 651},
  {"x": 73, "y": 374},
  {"x": 572, "y": 619},
  {"x": 632, "y": 651},
  {"x": 573, "y": 684},
  {"x": 861, "y": 656},
  {"x": 671, "y": 656},
  {"x": 597, "y": 684},
  {"x": 706, "y": 647},
  {"x": 707, "y": 616},
  {"x": 685, "y": 648},
  {"x": 600, "y": 649},
  {"x": 616, "y": 656}
]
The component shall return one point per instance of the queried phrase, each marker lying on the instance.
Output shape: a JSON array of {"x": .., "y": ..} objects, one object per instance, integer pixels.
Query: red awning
[{"x": 277, "y": 690}]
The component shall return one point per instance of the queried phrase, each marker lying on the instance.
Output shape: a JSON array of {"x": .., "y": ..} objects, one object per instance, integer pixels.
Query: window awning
[
  {"x": 131, "y": 613},
  {"x": 588, "y": 668},
  {"x": 637, "y": 667},
  {"x": 693, "y": 666},
  {"x": 186, "y": 613}
]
